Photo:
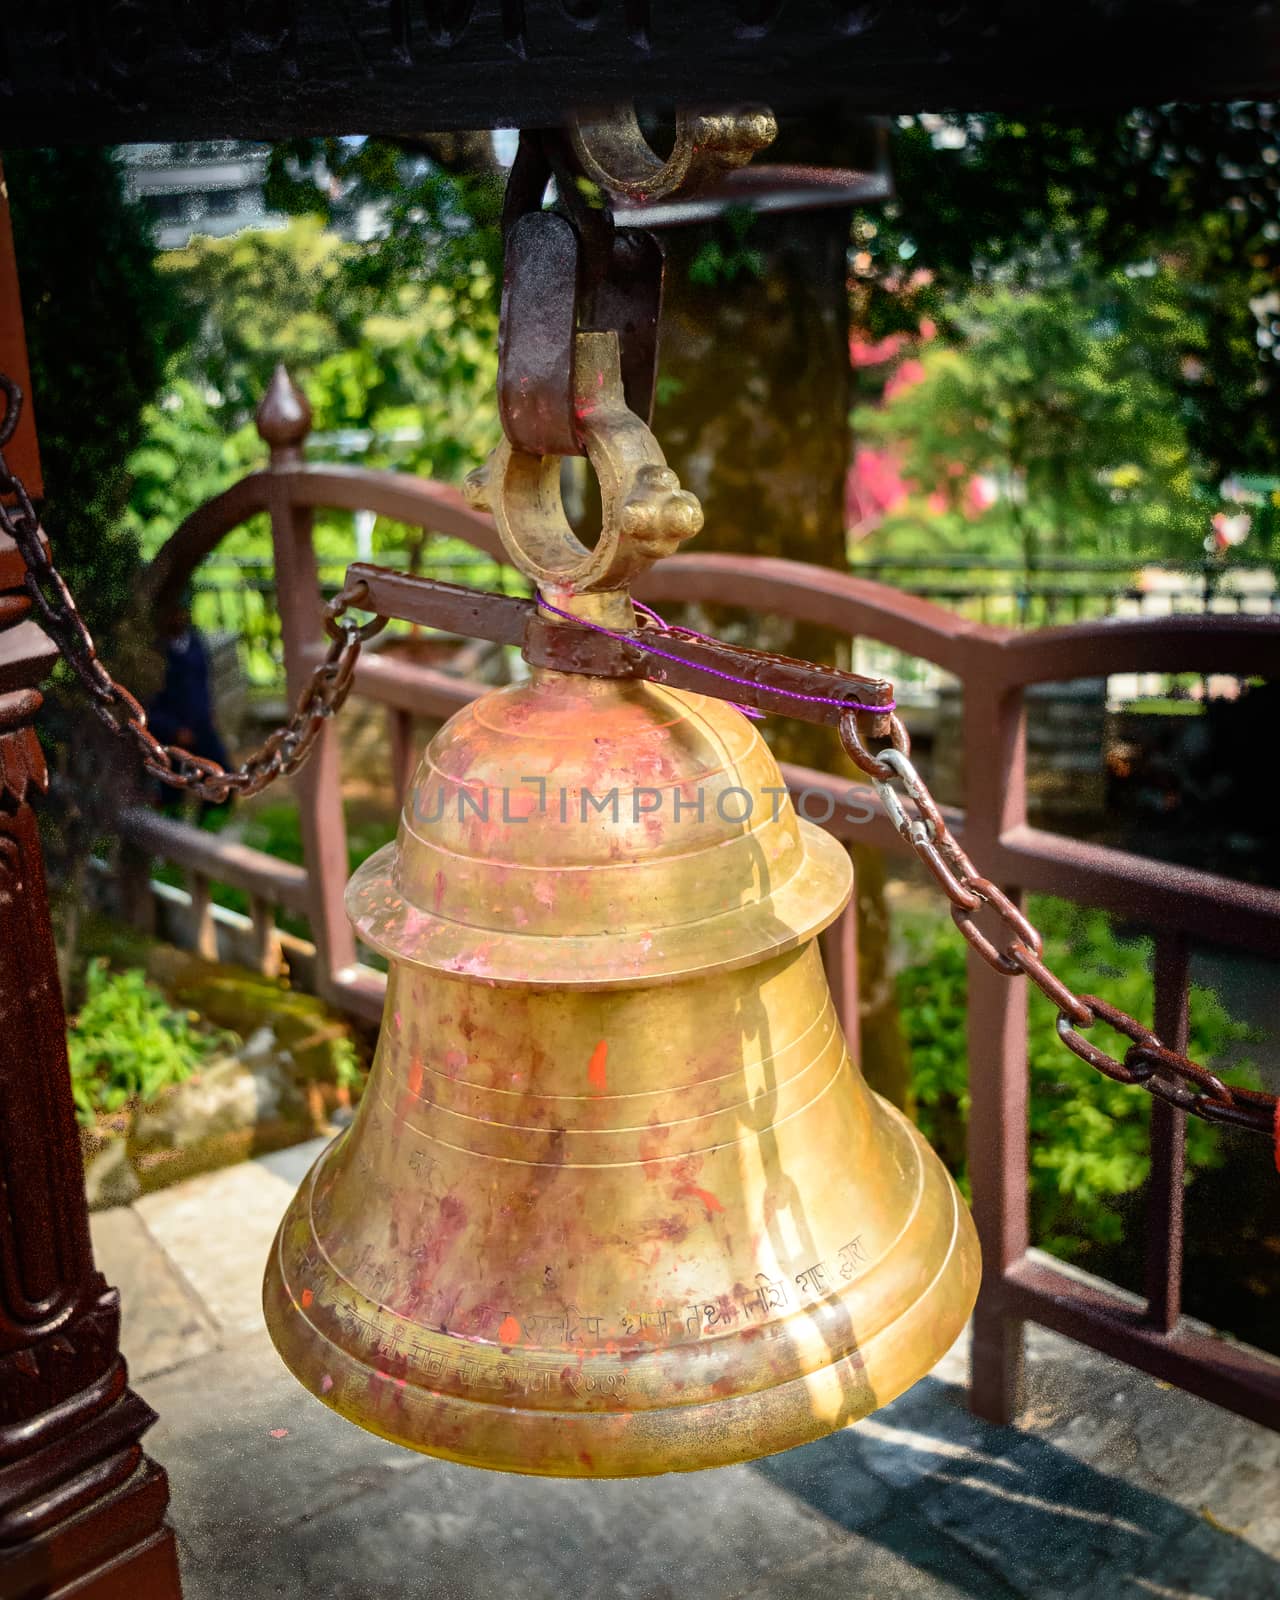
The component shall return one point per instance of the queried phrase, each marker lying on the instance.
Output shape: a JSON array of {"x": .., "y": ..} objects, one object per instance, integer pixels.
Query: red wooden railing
[{"x": 994, "y": 666}]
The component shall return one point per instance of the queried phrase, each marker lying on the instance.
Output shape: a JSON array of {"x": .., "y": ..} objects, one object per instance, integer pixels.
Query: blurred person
[{"x": 182, "y": 712}]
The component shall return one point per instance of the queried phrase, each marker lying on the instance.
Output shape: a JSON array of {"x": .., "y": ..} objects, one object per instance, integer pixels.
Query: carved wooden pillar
[{"x": 82, "y": 1509}]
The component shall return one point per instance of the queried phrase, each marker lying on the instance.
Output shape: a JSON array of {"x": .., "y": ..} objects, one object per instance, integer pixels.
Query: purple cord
[
  {"x": 714, "y": 672},
  {"x": 692, "y": 633}
]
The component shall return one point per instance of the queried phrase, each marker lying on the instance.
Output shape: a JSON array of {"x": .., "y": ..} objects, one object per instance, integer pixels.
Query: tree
[
  {"x": 409, "y": 365},
  {"x": 437, "y": 197},
  {"x": 101, "y": 325},
  {"x": 1066, "y": 399},
  {"x": 1034, "y": 202}
]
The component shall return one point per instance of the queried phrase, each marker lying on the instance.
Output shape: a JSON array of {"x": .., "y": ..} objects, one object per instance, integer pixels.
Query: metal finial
[{"x": 284, "y": 414}]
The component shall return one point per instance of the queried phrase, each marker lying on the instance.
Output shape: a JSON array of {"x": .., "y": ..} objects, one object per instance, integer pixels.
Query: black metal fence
[
  {"x": 1066, "y": 590},
  {"x": 237, "y": 596}
]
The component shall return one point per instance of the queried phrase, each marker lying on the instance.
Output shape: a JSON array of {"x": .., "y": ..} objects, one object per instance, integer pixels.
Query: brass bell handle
[
  {"x": 612, "y": 151},
  {"x": 645, "y": 513}
]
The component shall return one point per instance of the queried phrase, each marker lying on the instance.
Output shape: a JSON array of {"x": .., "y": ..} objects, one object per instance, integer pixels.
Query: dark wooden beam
[{"x": 108, "y": 71}]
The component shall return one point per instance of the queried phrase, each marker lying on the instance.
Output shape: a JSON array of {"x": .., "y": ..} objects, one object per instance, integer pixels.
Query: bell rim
[
  {"x": 727, "y": 1430},
  {"x": 796, "y": 911}
]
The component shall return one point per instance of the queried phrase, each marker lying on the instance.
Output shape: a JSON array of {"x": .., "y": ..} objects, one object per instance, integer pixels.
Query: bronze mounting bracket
[{"x": 762, "y": 681}]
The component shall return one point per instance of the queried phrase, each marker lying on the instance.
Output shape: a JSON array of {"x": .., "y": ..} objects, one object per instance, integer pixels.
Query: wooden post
[
  {"x": 22, "y": 452},
  {"x": 81, "y": 1507}
]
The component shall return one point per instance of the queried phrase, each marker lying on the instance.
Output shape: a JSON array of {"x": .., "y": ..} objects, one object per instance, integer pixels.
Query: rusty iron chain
[
  {"x": 281, "y": 753},
  {"x": 1018, "y": 951}
]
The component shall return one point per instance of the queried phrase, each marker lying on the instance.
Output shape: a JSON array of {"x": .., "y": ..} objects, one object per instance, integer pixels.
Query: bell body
[{"x": 615, "y": 1200}]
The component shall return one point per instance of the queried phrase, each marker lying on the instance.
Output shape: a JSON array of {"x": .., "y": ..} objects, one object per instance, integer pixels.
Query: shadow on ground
[{"x": 998, "y": 1513}]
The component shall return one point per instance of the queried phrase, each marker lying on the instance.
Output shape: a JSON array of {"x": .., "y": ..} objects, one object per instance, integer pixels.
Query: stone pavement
[{"x": 1111, "y": 1488}]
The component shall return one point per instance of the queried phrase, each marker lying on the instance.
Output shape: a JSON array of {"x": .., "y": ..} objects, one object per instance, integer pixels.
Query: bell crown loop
[{"x": 645, "y": 513}]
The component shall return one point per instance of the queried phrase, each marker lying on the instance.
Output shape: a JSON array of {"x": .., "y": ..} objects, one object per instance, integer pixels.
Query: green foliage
[
  {"x": 185, "y": 458},
  {"x": 1088, "y": 1135},
  {"x": 997, "y": 198},
  {"x": 264, "y": 297},
  {"x": 411, "y": 366},
  {"x": 101, "y": 323},
  {"x": 1066, "y": 397},
  {"x": 345, "y": 1061},
  {"x": 440, "y": 200},
  {"x": 128, "y": 1043},
  {"x": 726, "y": 256}
]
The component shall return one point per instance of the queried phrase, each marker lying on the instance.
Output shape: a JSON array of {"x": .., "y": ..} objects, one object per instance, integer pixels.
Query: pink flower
[
  {"x": 910, "y": 373},
  {"x": 873, "y": 488},
  {"x": 1229, "y": 530},
  {"x": 864, "y": 354},
  {"x": 979, "y": 495}
]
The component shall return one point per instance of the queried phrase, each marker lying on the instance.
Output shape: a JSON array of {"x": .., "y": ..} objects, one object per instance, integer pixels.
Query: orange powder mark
[
  {"x": 307, "y": 1298},
  {"x": 415, "y": 1077},
  {"x": 509, "y": 1332},
  {"x": 597, "y": 1075},
  {"x": 708, "y": 1199}
]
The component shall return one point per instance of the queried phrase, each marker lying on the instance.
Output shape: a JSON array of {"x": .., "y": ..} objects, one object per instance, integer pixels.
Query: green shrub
[
  {"x": 128, "y": 1043},
  {"x": 1088, "y": 1135}
]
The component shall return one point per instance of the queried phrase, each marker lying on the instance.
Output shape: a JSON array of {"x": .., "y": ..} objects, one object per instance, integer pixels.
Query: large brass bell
[{"x": 615, "y": 1200}]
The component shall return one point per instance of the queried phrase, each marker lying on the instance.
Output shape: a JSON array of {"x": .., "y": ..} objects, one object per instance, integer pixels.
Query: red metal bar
[
  {"x": 223, "y": 860},
  {"x": 1236, "y": 1376},
  {"x": 418, "y": 690},
  {"x": 1168, "y": 1144},
  {"x": 404, "y": 751},
  {"x": 1159, "y": 893},
  {"x": 854, "y": 606},
  {"x": 995, "y": 764},
  {"x": 770, "y": 683},
  {"x": 1245, "y": 645},
  {"x": 415, "y": 501},
  {"x": 284, "y": 419},
  {"x": 840, "y": 957}
]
